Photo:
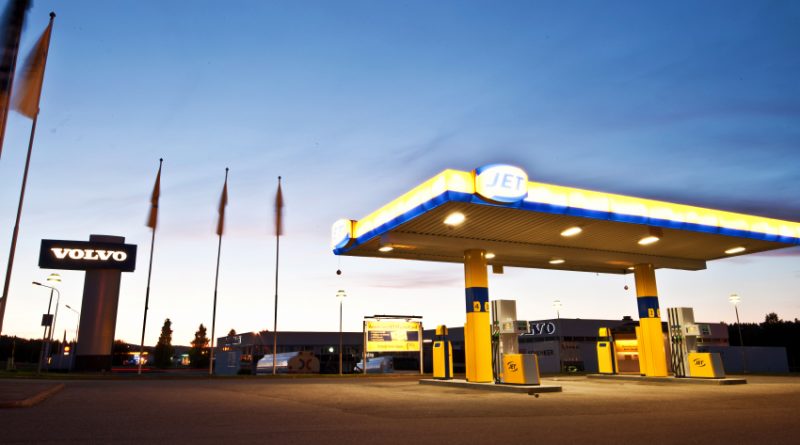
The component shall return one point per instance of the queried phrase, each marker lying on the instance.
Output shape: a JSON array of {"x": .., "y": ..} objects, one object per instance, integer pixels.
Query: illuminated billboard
[
  {"x": 87, "y": 255},
  {"x": 393, "y": 336}
]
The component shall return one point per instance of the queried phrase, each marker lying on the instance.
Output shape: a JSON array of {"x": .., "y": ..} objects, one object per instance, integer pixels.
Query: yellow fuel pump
[
  {"x": 605, "y": 352},
  {"x": 442, "y": 355}
]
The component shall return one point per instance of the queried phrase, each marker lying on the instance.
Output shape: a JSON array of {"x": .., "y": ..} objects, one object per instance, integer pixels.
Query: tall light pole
[
  {"x": 77, "y": 325},
  {"x": 340, "y": 295},
  {"x": 735, "y": 300},
  {"x": 54, "y": 278},
  {"x": 557, "y": 307}
]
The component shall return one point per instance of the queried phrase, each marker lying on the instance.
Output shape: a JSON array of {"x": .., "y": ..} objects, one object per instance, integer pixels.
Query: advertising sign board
[{"x": 393, "y": 336}]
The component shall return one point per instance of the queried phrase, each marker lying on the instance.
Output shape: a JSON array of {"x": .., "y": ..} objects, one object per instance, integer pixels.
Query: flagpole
[
  {"x": 16, "y": 225},
  {"x": 147, "y": 292},
  {"x": 275, "y": 322},
  {"x": 216, "y": 281}
]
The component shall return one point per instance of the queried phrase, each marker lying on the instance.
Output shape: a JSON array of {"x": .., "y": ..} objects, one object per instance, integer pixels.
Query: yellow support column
[
  {"x": 477, "y": 330},
  {"x": 652, "y": 355}
]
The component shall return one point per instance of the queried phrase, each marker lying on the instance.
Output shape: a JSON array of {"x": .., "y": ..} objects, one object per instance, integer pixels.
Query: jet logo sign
[
  {"x": 341, "y": 233},
  {"x": 504, "y": 184}
]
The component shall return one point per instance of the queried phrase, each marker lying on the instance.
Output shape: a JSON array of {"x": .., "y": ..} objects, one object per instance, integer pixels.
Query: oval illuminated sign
[
  {"x": 501, "y": 183},
  {"x": 341, "y": 233}
]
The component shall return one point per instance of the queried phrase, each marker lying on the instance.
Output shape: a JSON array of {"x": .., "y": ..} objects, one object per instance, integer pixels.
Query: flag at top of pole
[
  {"x": 279, "y": 210},
  {"x": 26, "y": 98},
  {"x": 223, "y": 201},
  {"x": 11, "y": 25},
  {"x": 152, "y": 218}
]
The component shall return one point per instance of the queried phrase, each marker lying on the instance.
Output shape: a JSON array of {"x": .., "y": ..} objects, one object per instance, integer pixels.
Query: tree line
[
  {"x": 772, "y": 332},
  {"x": 28, "y": 350}
]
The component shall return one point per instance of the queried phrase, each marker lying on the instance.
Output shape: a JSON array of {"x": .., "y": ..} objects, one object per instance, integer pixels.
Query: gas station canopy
[{"x": 520, "y": 223}]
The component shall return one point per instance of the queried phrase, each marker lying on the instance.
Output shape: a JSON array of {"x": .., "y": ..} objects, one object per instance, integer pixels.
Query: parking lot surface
[{"x": 398, "y": 410}]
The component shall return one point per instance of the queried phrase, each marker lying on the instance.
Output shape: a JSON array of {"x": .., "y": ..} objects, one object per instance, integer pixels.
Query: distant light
[
  {"x": 734, "y": 250},
  {"x": 386, "y": 249},
  {"x": 454, "y": 219},
  {"x": 734, "y": 298},
  {"x": 648, "y": 240},
  {"x": 572, "y": 231},
  {"x": 557, "y": 261},
  {"x": 490, "y": 255},
  {"x": 330, "y": 349}
]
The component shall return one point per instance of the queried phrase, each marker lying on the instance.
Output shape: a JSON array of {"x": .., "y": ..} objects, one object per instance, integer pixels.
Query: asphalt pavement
[{"x": 398, "y": 410}]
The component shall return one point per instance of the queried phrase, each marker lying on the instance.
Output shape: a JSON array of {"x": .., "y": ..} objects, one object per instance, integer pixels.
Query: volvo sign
[{"x": 87, "y": 255}]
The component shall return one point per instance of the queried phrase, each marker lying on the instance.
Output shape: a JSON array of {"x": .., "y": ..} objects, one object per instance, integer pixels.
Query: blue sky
[{"x": 354, "y": 103}]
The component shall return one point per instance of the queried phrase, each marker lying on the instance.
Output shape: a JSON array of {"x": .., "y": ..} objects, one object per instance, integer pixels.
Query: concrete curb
[
  {"x": 672, "y": 380},
  {"x": 524, "y": 389},
  {"x": 33, "y": 400}
]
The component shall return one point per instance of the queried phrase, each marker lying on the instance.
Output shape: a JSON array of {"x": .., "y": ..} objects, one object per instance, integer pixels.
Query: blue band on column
[
  {"x": 646, "y": 304},
  {"x": 479, "y": 295}
]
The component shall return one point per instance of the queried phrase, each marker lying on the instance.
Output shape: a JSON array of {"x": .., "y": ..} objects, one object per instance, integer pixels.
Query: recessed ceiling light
[
  {"x": 557, "y": 261},
  {"x": 386, "y": 249},
  {"x": 572, "y": 231},
  {"x": 733, "y": 250},
  {"x": 631, "y": 268},
  {"x": 455, "y": 219},
  {"x": 489, "y": 255},
  {"x": 648, "y": 240}
]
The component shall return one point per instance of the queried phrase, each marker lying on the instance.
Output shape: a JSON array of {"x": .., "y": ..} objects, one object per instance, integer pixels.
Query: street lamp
[
  {"x": 735, "y": 300},
  {"x": 340, "y": 295},
  {"x": 77, "y": 326},
  {"x": 557, "y": 307},
  {"x": 54, "y": 278}
]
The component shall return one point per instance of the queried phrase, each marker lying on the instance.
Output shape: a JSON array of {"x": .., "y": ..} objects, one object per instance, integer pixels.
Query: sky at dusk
[{"x": 355, "y": 103}]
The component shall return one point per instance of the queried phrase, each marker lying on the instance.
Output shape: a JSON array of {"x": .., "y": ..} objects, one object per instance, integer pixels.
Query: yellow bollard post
[
  {"x": 652, "y": 355},
  {"x": 477, "y": 329}
]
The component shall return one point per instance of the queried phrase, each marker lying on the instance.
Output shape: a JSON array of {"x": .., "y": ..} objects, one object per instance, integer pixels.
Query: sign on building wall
[
  {"x": 542, "y": 328},
  {"x": 393, "y": 336},
  {"x": 87, "y": 255}
]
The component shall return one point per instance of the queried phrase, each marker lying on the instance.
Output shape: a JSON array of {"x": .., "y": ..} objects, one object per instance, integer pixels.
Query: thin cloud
[{"x": 415, "y": 280}]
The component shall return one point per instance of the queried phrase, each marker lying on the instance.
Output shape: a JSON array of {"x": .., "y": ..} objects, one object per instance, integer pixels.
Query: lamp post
[
  {"x": 557, "y": 307},
  {"x": 77, "y": 326},
  {"x": 735, "y": 300},
  {"x": 55, "y": 278},
  {"x": 341, "y": 296}
]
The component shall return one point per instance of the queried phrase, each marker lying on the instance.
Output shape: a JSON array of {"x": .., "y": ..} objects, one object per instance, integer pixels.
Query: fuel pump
[
  {"x": 509, "y": 365},
  {"x": 606, "y": 356},
  {"x": 686, "y": 360},
  {"x": 442, "y": 355}
]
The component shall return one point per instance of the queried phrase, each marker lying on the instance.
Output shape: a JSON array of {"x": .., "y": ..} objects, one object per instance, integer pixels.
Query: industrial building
[{"x": 561, "y": 345}]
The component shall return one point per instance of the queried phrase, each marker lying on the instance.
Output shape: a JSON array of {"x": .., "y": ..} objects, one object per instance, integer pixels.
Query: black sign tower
[{"x": 104, "y": 258}]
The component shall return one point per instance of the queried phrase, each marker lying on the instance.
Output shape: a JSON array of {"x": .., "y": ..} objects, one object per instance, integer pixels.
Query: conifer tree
[{"x": 164, "y": 350}]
